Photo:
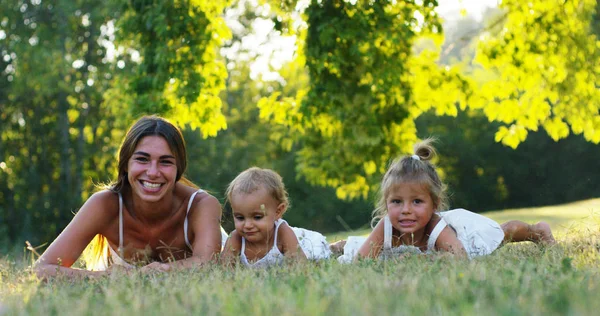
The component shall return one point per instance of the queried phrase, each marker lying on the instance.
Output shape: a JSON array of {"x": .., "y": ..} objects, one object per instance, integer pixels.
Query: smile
[{"x": 151, "y": 185}]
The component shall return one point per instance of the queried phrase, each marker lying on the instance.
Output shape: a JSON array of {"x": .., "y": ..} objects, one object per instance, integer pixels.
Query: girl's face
[
  {"x": 410, "y": 207},
  {"x": 152, "y": 169},
  {"x": 254, "y": 214}
]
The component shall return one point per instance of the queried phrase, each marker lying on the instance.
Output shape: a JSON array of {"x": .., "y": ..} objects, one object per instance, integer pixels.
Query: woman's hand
[
  {"x": 156, "y": 267},
  {"x": 117, "y": 269}
]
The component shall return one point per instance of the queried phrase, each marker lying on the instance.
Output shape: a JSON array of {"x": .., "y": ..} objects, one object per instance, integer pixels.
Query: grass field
[{"x": 519, "y": 279}]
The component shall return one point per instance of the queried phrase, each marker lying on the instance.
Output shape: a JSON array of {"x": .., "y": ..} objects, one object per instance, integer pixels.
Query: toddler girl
[
  {"x": 410, "y": 194},
  {"x": 261, "y": 237}
]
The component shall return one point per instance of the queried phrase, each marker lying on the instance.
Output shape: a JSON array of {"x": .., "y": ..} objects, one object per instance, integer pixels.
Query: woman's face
[{"x": 152, "y": 169}]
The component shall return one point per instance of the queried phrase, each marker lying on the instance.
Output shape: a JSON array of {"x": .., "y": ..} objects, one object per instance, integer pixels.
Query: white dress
[
  {"x": 313, "y": 244},
  {"x": 478, "y": 234}
]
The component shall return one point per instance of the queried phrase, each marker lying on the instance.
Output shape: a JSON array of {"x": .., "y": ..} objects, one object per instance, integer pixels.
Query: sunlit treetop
[
  {"x": 360, "y": 105},
  {"x": 545, "y": 58},
  {"x": 181, "y": 73}
]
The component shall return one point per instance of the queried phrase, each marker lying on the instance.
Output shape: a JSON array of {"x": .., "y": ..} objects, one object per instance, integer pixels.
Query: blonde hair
[
  {"x": 253, "y": 179},
  {"x": 416, "y": 168}
]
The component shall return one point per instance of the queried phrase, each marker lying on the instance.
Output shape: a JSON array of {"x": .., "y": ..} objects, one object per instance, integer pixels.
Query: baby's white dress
[
  {"x": 478, "y": 234},
  {"x": 313, "y": 244}
]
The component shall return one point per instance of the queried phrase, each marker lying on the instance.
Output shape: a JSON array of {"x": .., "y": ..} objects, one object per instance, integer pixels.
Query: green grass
[
  {"x": 519, "y": 279},
  {"x": 562, "y": 218}
]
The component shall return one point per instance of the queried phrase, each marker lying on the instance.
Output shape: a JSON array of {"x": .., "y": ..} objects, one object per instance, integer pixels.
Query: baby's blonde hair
[
  {"x": 416, "y": 168},
  {"x": 253, "y": 179}
]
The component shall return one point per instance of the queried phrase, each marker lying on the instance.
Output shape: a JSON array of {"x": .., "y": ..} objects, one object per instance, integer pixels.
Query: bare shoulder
[
  {"x": 448, "y": 241},
  {"x": 447, "y": 232},
  {"x": 202, "y": 200},
  {"x": 284, "y": 228},
  {"x": 205, "y": 204},
  {"x": 205, "y": 199},
  {"x": 286, "y": 235},
  {"x": 288, "y": 242},
  {"x": 103, "y": 202}
]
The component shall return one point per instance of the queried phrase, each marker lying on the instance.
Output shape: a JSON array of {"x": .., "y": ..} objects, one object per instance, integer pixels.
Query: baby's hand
[{"x": 156, "y": 267}]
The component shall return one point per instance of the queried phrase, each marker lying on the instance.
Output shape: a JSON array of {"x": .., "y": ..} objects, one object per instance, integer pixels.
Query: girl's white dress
[
  {"x": 313, "y": 244},
  {"x": 478, "y": 234}
]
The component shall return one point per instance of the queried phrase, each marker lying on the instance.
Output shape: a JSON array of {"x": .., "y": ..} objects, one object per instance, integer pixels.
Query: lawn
[{"x": 522, "y": 279}]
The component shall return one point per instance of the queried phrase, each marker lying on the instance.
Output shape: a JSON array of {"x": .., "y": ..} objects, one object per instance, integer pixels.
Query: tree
[
  {"x": 251, "y": 141},
  {"x": 369, "y": 82},
  {"x": 366, "y": 88},
  {"x": 546, "y": 74},
  {"x": 54, "y": 137},
  {"x": 179, "y": 73}
]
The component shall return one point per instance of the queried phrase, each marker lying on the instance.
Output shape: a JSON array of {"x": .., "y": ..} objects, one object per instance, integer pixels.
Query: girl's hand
[{"x": 156, "y": 267}]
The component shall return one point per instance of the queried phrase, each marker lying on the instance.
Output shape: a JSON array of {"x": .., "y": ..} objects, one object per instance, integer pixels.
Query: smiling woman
[{"x": 151, "y": 216}]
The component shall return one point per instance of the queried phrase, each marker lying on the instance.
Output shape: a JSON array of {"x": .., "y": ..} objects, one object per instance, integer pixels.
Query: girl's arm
[
  {"x": 372, "y": 246},
  {"x": 448, "y": 242},
  {"x": 93, "y": 217},
  {"x": 231, "y": 251},
  {"x": 289, "y": 242}
]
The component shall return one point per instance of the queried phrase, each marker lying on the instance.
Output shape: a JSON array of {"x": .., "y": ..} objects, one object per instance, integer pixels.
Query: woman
[{"x": 151, "y": 216}]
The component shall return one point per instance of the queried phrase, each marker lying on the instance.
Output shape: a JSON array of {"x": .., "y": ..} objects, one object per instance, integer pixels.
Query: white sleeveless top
[
  {"x": 273, "y": 257},
  {"x": 478, "y": 234},
  {"x": 389, "y": 251},
  {"x": 117, "y": 256}
]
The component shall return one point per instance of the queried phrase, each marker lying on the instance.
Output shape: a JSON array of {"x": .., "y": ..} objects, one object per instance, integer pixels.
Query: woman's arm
[
  {"x": 448, "y": 242},
  {"x": 205, "y": 221},
  {"x": 91, "y": 219},
  {"x": 289, "y": 243},
  {"x": 372, "y": 246}
]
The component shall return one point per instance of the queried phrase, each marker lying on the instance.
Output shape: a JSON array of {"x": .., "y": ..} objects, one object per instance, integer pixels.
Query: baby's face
[{"x": 254, "y": 214}]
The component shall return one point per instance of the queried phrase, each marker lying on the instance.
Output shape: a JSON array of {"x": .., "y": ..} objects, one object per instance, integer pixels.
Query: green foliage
[
  {"x": 55, "y": 140},
  {"x": 180, "y": 74},
  {"x": 483, "y": 175},
  {"x": 250, "y": 141},
  {"x": 372, "y": 75},
  {"x": 546, "y": 74},
  {"x": 364, "y": 92}
]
